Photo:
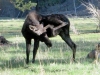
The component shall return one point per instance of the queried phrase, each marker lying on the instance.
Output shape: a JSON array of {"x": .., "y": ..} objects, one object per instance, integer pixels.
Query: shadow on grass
[
  {"x": 12, "y": 63},
  {"x": 64, "y": 61},
  {"x": 19, "y": 61},
  {"x": 89, "y": 31}
]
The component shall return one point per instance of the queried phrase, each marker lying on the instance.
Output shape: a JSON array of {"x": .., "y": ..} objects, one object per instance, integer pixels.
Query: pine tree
[{"x": 23, "y": 5}]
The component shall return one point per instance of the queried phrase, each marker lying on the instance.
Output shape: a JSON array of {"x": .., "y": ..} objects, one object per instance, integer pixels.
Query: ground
[{"x": 53, "y": 61}]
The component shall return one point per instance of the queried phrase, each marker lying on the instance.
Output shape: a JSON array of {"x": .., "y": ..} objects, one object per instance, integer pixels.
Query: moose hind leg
[{"x": 70, "y": 43}]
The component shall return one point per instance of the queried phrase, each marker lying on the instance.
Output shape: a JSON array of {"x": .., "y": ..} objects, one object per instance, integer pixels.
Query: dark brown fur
[{"x": 58, "y": 25}]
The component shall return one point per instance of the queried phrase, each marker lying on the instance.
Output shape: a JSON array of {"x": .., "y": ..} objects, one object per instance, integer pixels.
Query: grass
[{"x": 53, "y": 61}]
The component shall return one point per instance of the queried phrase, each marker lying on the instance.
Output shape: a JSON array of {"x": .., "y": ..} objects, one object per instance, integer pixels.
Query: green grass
[{"x": 53, "y": 61}]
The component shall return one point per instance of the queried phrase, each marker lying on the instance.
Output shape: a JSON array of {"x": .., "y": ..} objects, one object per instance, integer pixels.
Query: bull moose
[{"x": 41, "y": 27}]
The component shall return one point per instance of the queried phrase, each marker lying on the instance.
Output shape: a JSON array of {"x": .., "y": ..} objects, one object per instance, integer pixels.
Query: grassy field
[{"x": 53, "y": 61}]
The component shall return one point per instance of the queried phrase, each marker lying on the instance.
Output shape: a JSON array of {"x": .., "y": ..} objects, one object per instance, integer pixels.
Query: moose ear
[{"x": 31, "y": 27}]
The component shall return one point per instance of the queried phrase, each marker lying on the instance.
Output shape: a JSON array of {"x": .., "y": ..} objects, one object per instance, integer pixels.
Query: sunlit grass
[{"x": 49, "y": 61}]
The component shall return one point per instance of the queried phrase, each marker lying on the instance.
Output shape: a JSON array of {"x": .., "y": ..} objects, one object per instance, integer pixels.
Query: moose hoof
[
  {"x": 48, "y": 44},
  {"x": 27, "y": 62},
  {"x": 33, "y": 61}
]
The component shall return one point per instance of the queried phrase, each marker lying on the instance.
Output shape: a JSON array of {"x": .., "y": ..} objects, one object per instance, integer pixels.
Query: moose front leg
[
  {"x": 36, "y": 45},
  {"x": 28, "y": 46}
]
